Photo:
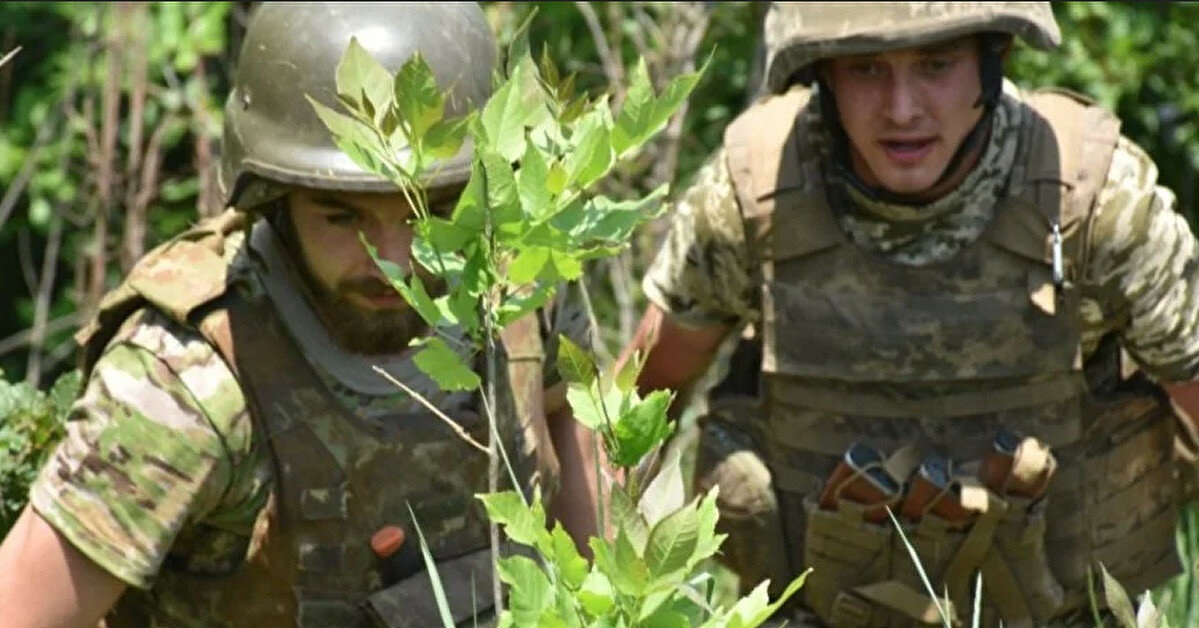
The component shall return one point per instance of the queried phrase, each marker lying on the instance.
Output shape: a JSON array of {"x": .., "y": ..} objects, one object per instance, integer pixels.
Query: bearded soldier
[
  {"x": 234, "y": 454},
  {"x": 968, "y": 300}
]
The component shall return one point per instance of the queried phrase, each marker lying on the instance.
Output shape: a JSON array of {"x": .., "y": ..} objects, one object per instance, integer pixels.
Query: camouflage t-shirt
[
  {"x": 160, "y": 457},
  {"x": 1141, "y": 280}
]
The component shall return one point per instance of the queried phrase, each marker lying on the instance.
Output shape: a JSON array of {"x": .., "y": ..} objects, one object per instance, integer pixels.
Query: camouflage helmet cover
[
  {"x": 291, "y": 49},
  {"x": 799, "y": 33}
]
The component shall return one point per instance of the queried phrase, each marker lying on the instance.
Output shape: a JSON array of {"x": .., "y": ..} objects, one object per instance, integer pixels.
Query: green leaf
[
  {"x": 575, "y": 365},
  {"x": 599, "y": 404},
  {"x": 642, "y": 115},
  {"x": 1117, "y": 600},
  {"x": 352, "y": 137},
  {"x": 444, "y": 139},
  {"x": 672, "y": 542},
  {"x": 555, "y": 179},
  {"x": 518, "y": 103},
  {"x": 571, "y": 565},
  {"x": 418, "y": 98},
  {"x": 522, "y": 523},
  {"x": 535, "y": 195},
  {"x": 665, "y": 618},
  {"x": 641, "y": 428},
  {"x": 596, "y": 593},
  {"x": 568, "y": 267},
  {"x": 362, "y": 80},
  {"x": 446, "y": 236},
  {"x": 667, "y": 491},
  {"x": 708, "y": 541},
  {"x": 626, "y": 378},
  {"x": 528, "y": 265},
  {"x": 446, "y": 368},
  {"x": 591, "y": 153},
  {"x": 530, "y": 593},
  {"x": 503, "y": 198},
  {"x": 636, "y": 112},
  {"x": 515, "y": 306},
  {"x": 415, "y": 294},
  {"x": 601, "y": 220},
  {"x": 626, "y": 517},
  {"x": 625, "y": 570}
]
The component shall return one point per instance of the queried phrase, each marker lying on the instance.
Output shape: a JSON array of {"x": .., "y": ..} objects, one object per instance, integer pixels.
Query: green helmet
[
  {"x": 291, "y": 49},
  {"x": 800, "y": 33}
]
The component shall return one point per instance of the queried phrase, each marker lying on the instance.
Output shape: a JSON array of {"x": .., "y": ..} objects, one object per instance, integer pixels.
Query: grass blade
[
  {"x": 443, "y": 607},
  {"x": 928, "y": 585}
]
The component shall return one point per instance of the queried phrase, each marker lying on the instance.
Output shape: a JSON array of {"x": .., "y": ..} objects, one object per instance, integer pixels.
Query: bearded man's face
[{"x": 353, "y": 298}]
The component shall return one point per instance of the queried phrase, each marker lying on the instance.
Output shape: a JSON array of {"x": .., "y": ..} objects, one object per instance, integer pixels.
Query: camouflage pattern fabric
[
  {"x": 161, "y": 462},
  {"x": 1141, "y": 248}
]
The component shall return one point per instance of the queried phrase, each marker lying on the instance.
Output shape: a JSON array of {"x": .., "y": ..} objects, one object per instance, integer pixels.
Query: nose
[
  {"x": 903, "y": 103},
  {"x": 394, "y": 244}
]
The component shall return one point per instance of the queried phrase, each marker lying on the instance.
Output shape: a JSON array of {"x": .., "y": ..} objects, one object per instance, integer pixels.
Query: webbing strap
[
  {"x": 978, "y": 541},
  {"x": 1001, "y": 590},
  {"x": 890, "y": 594}
]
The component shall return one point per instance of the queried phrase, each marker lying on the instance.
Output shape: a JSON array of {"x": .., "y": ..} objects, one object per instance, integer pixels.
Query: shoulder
[{"x": 169, "y": 359}]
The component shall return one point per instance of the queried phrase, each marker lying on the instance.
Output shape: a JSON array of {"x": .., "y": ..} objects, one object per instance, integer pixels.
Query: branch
[
  {"x": 613, "y": 69},
  {"x": 22, "y": 338},
  {"x": 432, "y": 408},
  {"x": 9, "y": 55},
  {"x": 33, "y": 371}
]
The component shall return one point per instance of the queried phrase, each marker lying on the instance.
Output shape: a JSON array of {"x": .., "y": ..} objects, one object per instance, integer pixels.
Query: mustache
[{"x": 369, "y": 287}]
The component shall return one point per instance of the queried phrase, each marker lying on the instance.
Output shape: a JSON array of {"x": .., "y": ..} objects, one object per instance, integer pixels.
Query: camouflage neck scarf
[{"x": 916, "y": 235}]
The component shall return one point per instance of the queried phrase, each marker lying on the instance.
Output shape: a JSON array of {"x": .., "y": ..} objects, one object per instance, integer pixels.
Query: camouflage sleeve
[
  {"x": 701, "y": 276},
  {"x": 151, "y": 446},
  {"x": 1144, "y": 270}
]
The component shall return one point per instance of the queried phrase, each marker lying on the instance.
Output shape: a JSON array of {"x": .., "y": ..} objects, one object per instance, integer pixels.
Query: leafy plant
[
  {"x": 526, "y": 221},
  {"x": 30, "y": 422}
]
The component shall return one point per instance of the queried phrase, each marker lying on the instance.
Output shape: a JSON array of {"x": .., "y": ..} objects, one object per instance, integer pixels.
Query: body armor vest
[
  {"x": 938, "y": 357},
  {"x": 338, "y": 477}
]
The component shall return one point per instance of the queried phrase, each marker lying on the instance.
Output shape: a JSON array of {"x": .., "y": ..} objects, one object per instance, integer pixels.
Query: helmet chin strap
[{"x": 991, "y": 78}]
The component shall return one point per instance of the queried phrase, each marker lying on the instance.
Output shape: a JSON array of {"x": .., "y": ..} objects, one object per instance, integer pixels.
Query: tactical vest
[
  {"x": 937, "y": 357},
  {"x": 338, "y": 477}
]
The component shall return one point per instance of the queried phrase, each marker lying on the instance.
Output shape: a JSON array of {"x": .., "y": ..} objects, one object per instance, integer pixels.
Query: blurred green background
[{"x": 110, "y": 119}]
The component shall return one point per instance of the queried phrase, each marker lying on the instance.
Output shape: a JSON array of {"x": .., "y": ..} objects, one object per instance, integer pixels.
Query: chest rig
[
  {"x": 338, "y": 477},
  {"x": 939, "y": 357}
]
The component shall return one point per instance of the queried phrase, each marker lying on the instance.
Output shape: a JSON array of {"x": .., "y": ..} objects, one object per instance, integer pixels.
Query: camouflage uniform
[
  {"x": 162, "y": 468},
  {"x": 1137, "y": 289},
  {"x": 226, "y": 459},
  {"x": 703, "y": 274}
]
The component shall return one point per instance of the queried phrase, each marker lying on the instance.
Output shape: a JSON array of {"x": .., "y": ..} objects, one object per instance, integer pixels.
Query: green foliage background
[{"x": 1139, "y": 59}]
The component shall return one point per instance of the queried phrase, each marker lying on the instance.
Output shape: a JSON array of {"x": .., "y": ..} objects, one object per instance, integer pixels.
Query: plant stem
[{"x": 493, "y": 459}]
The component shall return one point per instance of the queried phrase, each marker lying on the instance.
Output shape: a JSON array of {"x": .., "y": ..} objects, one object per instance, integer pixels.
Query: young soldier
[
  {"x": 934, "y": 265},
  {"x": 233, "y": 451}
]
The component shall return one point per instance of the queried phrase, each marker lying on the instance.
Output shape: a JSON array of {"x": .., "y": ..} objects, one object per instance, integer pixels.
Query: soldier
[
  {"x": 939, "y": 271},
  {"x": 234, "y": 453}
]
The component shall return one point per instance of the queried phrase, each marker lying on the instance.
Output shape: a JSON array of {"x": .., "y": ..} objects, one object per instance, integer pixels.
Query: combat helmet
[
  {"x": 271, "y": 132},
  {"x": 800, "y": 33}
]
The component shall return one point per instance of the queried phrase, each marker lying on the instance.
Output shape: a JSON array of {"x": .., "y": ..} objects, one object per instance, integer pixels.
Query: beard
[{"x": 360, "y": 329}]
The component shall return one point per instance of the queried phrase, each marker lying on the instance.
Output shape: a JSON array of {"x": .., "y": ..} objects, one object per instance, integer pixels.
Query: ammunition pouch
[
  {"x": 863, "y": 574},
  {"x": 410, "y": 603}
]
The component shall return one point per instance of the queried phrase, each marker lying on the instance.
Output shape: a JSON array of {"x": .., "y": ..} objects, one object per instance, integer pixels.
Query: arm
[
  {"x": 1143, "y": 275},
  {"x": 45, "y": 581}
]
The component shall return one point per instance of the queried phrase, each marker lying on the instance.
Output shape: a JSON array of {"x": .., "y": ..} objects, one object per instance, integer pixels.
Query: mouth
[
  {"x": 907, "y": 152},
  {"x": 382, "y": 297}
]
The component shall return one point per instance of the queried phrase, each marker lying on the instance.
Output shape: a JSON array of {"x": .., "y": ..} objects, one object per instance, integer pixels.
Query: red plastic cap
[{"x": 387, "y": 541}]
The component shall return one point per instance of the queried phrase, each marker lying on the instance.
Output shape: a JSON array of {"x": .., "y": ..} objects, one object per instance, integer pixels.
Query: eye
[
  {"x": 935, "y": 66},
  {"x": 342, "y": 219},
  {"x": 865, "y": 68}
]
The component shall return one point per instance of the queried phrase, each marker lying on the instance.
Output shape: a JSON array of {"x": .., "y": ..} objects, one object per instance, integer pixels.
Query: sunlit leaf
[
  {"x": 445, "y": 367},
  {"x": 360, "y": 76}
]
